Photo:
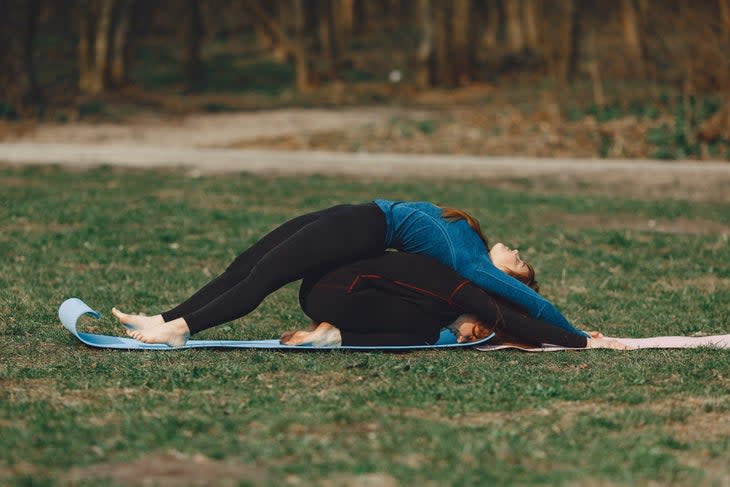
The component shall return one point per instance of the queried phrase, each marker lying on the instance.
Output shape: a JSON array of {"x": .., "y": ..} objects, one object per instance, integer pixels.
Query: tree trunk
[
  {"x": 574, "y": 17},
  {"x": 632, "y": 36},
  {"x": 300, "y": 52},
  {"x": 18, "y": 86},
  {"x": 461, "y": 57},
  {"x": 343, "y": 16},
  {"x": 282, "y": 53},
  {"x": 275, "y": 29},
  {"x": 594, "y": 69},
  {"x": 192, "y": 34},
  {"x": 264, "y": 38},
  {"x": 442, "y": 73},
  {"x": 515, "y": 32},
  {"x": 725, "y": 16},
  {"x": 120, "y": 44},
  {"x": 95, "y": 43},
  {"x": 86, "y": 43},
  {"x": 327, "y": 35},
  {"x": 99, "y": 80},
  {"x": 360, "y": 19},
  {"x": 425, "y": 47},
  {"x": 492, "y": 23},
  {"x": 565, "y": 55},
  {"x": 532, "y": 36}
]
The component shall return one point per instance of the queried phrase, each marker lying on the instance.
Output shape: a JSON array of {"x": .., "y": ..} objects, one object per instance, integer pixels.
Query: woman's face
[
  {"x": 469, "y": 329},
  {"x": 508, "y": 260}
]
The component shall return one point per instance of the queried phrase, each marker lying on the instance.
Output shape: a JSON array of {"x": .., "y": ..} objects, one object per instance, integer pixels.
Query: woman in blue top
[{"x": 326, "y": 239}]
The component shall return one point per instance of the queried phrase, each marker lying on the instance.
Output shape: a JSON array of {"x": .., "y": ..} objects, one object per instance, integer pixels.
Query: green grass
[{"x": 144, "y": 240}]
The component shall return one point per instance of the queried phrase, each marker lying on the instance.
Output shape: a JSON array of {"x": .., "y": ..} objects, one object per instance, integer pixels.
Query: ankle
[{"x": 180, "y": 326}]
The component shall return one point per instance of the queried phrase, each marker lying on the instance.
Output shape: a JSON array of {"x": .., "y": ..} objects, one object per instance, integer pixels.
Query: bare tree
[
  {"x": 492, "y": 19},
  {"x": 441, "y": 72},
  {"x": 275, "y": 29},
  {"x": 717, "y": 127},
  {"x": 532, "y": 33},
  {"x": 301, "y": 56},
  {"x": 564, "y": 53},
  {"x": 328, "y": 42},
  {"x": 515, "y": 31},
  {"x": 448, "y": 41},
  {"x": 343, "y": 16},
  {"x": 462, "y": 42},
  {"x": 725, "y": 16},
  {"x": 103, "y": 43},
  {"x": 120, "y": 54},
  {"x": 425, "y": 51},
  {"x": 94, "y": 41},
  {"x": 18, "y": 85},
  {"x": 191, "y": 64},
  {"x": 635, "y": 48}
]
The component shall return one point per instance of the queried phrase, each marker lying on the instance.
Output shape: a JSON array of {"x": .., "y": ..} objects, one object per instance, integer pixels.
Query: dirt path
[
  {"x": 199, "y": 144},
  {"x": 206, "y": 130}
]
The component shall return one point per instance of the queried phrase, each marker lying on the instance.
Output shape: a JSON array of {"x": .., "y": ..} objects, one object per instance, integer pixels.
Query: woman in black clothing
[{"x": 406, "y": 299}]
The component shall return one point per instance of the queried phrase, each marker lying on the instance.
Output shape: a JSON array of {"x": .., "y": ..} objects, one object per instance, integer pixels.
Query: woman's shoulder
[{"x": 409, "y": 206}]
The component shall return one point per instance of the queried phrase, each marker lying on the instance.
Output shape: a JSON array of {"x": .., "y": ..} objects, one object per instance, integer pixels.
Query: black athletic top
[{"x": 419, "y": 296}]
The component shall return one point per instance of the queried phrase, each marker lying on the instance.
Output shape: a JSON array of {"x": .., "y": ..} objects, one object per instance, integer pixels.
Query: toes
[
  {"x": 297, "y": 338},
  {"x": 287, "y": 335}
]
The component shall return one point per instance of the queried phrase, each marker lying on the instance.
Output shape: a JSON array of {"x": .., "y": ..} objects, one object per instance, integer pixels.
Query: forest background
[{"x": 629, "y": 78}]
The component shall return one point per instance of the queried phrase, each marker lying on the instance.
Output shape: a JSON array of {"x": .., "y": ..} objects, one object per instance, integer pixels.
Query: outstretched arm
[
  {"x": 506, "y": 318},
  {"x": 491, "y": 279}
]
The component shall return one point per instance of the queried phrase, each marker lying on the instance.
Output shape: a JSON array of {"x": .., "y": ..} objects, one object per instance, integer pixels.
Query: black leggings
[{"x": 305, "y": 245}]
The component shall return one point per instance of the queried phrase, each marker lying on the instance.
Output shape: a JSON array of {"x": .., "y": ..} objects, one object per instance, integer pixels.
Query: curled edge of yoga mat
[
  {"x": 715, "y": 341},
  {"x": 73, "y": 308}
]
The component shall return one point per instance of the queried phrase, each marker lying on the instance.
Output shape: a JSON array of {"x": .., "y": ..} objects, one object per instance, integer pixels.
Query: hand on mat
[
  {"x": 595, "y": 334},
  {"x": 608, "y": 343},
  {"x": 322, "y": 335}
]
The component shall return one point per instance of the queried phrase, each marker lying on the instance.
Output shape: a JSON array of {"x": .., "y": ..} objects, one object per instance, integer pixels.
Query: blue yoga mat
[{"x": 72, "y": 309}]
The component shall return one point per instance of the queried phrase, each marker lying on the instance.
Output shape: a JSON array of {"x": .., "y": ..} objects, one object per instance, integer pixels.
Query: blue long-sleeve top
[{"x": 419, "y": 228}]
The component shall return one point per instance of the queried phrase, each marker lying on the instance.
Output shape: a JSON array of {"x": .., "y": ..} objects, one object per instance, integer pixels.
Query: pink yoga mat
[{"x": 716, "y": 341}]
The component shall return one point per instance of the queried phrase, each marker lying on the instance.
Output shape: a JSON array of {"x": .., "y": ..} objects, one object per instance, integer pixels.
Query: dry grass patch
[
  {"x": 45, "y": 228},
  {"x": 714, "y": 468},
  {"x": 708, "y": 283},
  {"x": 680, "y": 226},
  {"x": 25, "y": 390},
  {"x": 363, "y": 480},
  {"x": 170, "y": 469},
  {"x": 560, "y": 410},
  {"x": 697, "y": 418},
  {"x": 635, "y": 185},
  {"x": 704, "y": 418}
]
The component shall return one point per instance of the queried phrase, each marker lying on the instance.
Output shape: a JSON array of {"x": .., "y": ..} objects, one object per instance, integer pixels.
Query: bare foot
[
  {"x": 288, "y": 334},
  {"x": 136, "y": 320},
  {"x": 325, "y": 335},
  {"x": 174, "y": 333}
]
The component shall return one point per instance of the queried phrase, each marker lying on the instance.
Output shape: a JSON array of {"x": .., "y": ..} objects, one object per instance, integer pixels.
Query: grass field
[{"x": 143, "y": 240}]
